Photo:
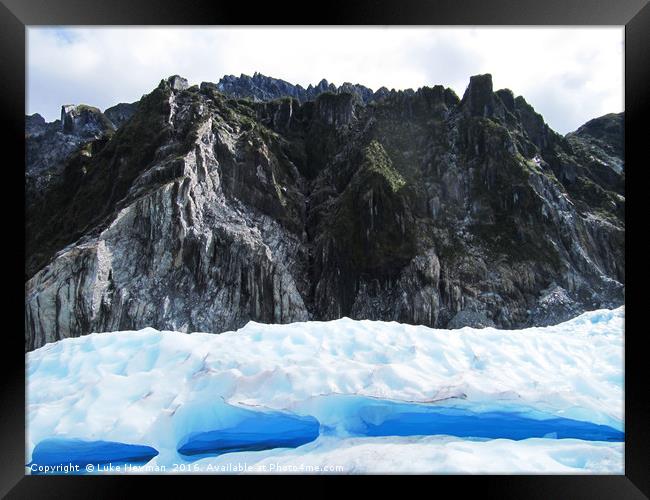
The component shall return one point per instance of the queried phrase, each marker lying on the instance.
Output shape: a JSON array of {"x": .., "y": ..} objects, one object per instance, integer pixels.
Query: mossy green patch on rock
[
  {"x": 86, "y": 107},
  {"x": 376, "y": 160}
]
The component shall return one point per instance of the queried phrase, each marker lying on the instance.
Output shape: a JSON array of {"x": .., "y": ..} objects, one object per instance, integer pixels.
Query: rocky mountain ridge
[
  {"x": 262, "y": 88},
  {"x": 201, "y": 210}
]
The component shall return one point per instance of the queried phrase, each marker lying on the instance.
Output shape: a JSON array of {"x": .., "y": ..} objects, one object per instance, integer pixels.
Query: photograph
[{"x": 338, "y": 250}]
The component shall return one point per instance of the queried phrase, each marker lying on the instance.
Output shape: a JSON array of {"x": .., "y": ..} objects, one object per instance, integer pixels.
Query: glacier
[{"x": 364, "y": 396}]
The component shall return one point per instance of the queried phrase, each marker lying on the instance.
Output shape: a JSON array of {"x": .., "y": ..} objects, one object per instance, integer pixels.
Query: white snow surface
[
  {"x": 427, "y": 454},
  {"x": 153, "y": 388}
]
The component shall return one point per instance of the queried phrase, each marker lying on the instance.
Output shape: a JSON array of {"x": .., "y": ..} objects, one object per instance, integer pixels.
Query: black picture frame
[{"x": 15, "y": 15}]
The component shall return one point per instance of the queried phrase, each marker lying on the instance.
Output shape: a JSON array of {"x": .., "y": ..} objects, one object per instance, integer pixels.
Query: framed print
[{"x": 391, "y": 244}]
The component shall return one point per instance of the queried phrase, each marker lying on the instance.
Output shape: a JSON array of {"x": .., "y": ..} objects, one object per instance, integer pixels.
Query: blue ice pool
[
  {"x": 491, "y": 425},
  {"x": 365, "y": 416},
  {"x": 58, "y": 451},
  {"x": 256, "y": 430}
]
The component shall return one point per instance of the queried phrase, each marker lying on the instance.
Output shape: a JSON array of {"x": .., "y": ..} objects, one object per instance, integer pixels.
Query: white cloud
[{"x": 569, "y": 75}]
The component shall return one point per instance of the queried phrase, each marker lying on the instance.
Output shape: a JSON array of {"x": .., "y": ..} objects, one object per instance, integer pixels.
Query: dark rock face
[
  {"x": 599, "y": 146},
  {"x": 479, "y": 100},
  {"x": 202, "y": 212},
  {"x": 604, "y": 133},
  {"x": 120, "y": 113},
  {"x": 51, "y": 150},
  {"x": 35, "y": 125},
  {"x": 49, "y": 144}
]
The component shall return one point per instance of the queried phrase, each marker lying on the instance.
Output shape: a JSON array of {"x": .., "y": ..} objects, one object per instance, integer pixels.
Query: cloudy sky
[{"x": 569, "y": 75}]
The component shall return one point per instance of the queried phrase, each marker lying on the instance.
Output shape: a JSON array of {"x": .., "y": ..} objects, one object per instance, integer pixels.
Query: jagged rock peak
[
  {"x": 34, "y": 124},
  {"x": 35, "y": 119},
  {"x": 258, "y": 88},
  {"x": 602, "y": 140},
  {"x": 265, "y": 88},
  {"x": 478, "y": 99},
  {"x": 336, "y": 109},
  {"x": 84, "y": 120},
  {"x": 176, "y": 83},
  {"x": 507, "y": 98},
  {"x": 607, "y": 128}
]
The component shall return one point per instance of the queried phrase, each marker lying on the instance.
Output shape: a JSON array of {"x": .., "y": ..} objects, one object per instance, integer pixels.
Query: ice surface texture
[{"x": 172, "y": 390}]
